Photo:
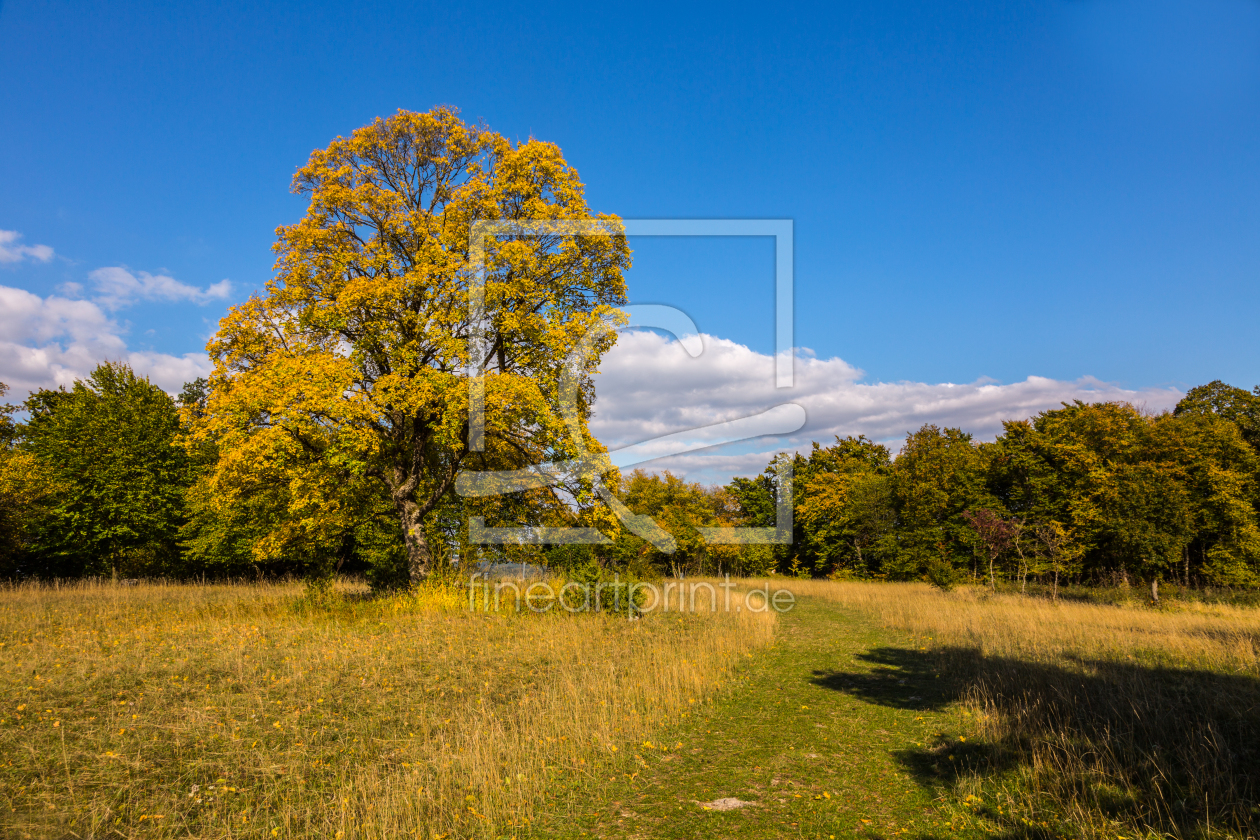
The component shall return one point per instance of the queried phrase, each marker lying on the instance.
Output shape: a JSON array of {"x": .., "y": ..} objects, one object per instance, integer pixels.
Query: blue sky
[{"x": 1002, "y": 190}]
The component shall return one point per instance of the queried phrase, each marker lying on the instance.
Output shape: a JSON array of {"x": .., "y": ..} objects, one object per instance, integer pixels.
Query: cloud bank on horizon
[{"x": 649, "y": 387}]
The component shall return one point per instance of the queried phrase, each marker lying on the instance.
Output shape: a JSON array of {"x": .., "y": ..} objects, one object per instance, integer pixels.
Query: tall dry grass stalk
[
  {"x": 1112, "y": 720},
  {"x": 251, "y": 711}
]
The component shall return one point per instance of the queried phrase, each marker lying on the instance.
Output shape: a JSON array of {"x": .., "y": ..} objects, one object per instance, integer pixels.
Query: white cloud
[
  {"x": 47, "y": 342},
  {"x": 649, "y": 387},
  {"x": 11, "y": 251},
  {"x": 116, "y": 287}
]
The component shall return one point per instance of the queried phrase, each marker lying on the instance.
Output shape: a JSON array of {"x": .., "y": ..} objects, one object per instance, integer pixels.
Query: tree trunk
[
  {"x": 992, "y": 579},
  {"x": 419, "y": 557},
  {"x": 1155, "y": 590},
  {"x": 1023, "y": 562}
]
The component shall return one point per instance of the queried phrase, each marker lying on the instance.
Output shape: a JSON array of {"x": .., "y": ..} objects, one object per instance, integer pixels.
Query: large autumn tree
[{"x": 349, "y": 376}]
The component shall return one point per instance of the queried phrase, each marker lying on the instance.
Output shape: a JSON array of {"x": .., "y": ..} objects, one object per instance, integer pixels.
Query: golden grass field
[
  {"x": 252, "y": 711},
  {"x": 1215, "y": 637},
  {"x": 1123, "y": 720},
  {"x": 261, "y": 710}
]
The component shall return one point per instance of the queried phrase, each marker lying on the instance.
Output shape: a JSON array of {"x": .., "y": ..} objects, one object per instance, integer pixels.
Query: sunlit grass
[
  {"x": 257, "y": 711},
  {"x": 1122, "y": 720},
  {"x": 1216, "y": 637}
]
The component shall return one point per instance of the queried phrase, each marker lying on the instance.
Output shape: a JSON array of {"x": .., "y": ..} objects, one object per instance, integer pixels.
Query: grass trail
[{"x": 819, "y": 759}]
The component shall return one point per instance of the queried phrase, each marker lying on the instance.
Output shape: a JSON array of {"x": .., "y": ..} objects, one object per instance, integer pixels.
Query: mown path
[{"x": 821, "y": 733}]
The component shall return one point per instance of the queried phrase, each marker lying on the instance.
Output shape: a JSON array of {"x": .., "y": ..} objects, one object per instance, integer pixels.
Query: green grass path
[{"x": 814, "y": 731}]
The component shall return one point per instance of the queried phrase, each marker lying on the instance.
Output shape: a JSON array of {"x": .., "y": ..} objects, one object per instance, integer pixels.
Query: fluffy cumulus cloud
[
  {"x": 649, "y": 387},
  {"x": 116, "y": 287},
  {"x": 13, "y": 252},
  {"x": 50, "y": 341},
  {"x": 46, "y": 342}
]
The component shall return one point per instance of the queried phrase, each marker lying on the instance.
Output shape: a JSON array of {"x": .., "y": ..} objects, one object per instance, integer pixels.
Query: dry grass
[
  {"x": 248, "y": 711},
  {"x": 1105, "y": 720},
  {"x": 1214, "y": 637}
]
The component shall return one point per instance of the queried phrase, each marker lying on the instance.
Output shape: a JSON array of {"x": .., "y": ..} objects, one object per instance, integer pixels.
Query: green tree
[
  {"x": 755, "y": 504},
  {"x": 1153, "y": 496},
  {"x": 8, "y": 428},
  {"x": 1219, "y": 473},
  {"x": 844, "y": 509},
  {"x": 680, "y": 508},
  {"x": 111, "y": 445},
  {"x": 1056, "y": 551},
  {"x": 938, "y": 475},
  {"x": 1233, "y": 404}
]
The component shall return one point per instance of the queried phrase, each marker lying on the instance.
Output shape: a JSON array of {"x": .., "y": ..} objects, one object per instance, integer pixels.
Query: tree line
[
  {"x": 110, "y": 478},
  {"x": 1096, "y": 493}
]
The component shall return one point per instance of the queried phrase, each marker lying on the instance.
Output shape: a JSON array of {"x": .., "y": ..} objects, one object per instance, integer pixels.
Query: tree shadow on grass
[
  {"x": 1174, "y": 750},
  {"x": 901, "y": 678}
]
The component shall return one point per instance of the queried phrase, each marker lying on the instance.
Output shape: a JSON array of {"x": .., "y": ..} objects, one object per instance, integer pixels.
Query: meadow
[
  {"x": 1107, "y": 720},
  {"x": 260, "y": 711},
  {"x": 871, "y": 709}
]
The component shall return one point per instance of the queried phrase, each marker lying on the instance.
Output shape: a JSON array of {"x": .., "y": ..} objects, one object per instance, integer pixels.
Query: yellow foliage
[{"x": 348, "y": 378}]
